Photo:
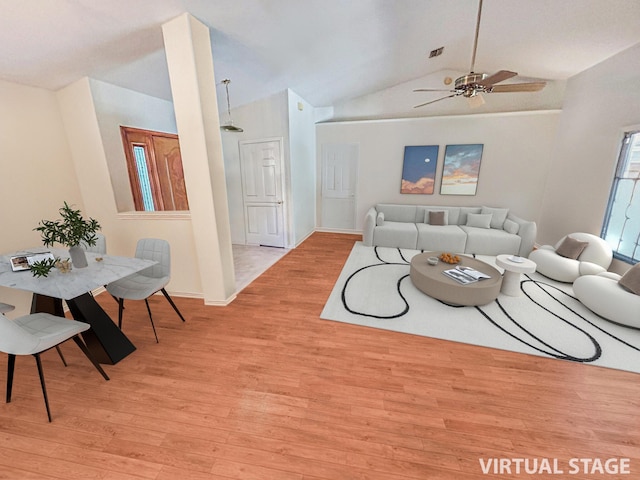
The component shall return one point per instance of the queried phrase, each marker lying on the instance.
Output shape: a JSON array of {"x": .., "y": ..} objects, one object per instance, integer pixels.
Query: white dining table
[{"x": 106, "y": 341}]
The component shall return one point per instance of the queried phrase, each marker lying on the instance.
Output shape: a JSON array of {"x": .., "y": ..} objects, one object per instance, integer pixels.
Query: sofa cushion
[
  {"x": 433, "y": 217},
  {"x": 452, "y": 213},
  {"x": 446, "y": 238},
  {"x": 479, "y": 220},
  {"x": 498, "y": 216},
  {"x": 631, "y": 279},
  {"x": 464, "y": 211},
  {"x": 398, "y": 213},
  {"x": 489, "y": 241},
  {"x": 511, "y": 227},
  {"x": 571, "y": 248},
  {"x": 396, "y": 235},
  {"x": 380, "y": 219}
]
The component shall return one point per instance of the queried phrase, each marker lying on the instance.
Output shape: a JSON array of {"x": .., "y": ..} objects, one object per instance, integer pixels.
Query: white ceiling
[{"x": 327, "y": 51}]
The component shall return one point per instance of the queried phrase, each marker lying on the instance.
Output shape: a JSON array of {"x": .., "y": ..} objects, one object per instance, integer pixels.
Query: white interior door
[
  {"x": 261, "y": 165},
  {"x": 339, "y": 185}
]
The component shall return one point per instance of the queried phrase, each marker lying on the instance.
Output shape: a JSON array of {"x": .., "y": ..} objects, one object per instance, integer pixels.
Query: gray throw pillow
[
  {"x": 511, "y": 227},
  {"x": 571, "y": 248},
  {"x": 437, "y": 218},
  {"x": 631, "y": 279},
  {"x": 479, "y": 220},
  {"x": 499, "y": 216},
  {"x": 380, "y": 219}
]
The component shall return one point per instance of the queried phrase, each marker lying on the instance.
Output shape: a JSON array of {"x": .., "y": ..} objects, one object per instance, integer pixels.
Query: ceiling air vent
[{"x": 435, "y": 53}]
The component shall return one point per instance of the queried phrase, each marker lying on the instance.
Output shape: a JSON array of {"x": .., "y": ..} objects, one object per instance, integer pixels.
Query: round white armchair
[
  {"x": 595, "y": 258},
  {"x": 602, "y": 294}
]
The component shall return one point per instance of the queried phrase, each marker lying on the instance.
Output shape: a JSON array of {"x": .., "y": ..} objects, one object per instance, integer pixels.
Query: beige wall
[
  {"x": 122, "y": 230},
  {"x": 37, "y": 171}
]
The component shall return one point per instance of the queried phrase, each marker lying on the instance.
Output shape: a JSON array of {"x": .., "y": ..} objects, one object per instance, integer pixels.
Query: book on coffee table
[{"x": 465, "y": 275}]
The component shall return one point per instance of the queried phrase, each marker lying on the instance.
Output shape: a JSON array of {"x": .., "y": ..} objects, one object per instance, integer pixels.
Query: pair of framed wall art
[{"x": 459, "y": 174}]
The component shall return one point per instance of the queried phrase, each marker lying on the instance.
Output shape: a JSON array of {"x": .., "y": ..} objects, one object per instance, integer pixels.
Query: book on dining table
[{"x": 24, "y": 261}]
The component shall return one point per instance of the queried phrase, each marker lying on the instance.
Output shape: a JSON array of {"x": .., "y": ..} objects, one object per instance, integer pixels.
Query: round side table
[{"x": 513, "y": 267}]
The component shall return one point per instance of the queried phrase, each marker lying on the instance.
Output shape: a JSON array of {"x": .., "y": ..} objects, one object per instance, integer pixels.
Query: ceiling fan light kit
[{"x": 473, "y": 84}]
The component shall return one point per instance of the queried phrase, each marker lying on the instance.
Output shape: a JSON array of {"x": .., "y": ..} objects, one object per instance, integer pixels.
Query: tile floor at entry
[{"x": 251, "y": 261}]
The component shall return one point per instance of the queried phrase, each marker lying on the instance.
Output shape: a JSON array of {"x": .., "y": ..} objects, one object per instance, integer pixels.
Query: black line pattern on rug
[
  {"x": 552, "y": 351},
  {"x": 559, "y": 354},
  {"x": 538, "y": 284},
  {"x": 398, "y": 285}
]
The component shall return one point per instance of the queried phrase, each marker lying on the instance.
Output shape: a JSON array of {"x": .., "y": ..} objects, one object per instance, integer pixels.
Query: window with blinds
[{"x": 622, "y": 222}]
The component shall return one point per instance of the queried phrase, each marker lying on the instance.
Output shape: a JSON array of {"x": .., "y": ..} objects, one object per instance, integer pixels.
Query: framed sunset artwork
[
  {"x": 461, "y": 169},
  {"x": 419, "y": 169}
]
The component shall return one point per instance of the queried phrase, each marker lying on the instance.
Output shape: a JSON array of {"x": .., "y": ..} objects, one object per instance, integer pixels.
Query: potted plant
[{"x": 70, "y": 231}]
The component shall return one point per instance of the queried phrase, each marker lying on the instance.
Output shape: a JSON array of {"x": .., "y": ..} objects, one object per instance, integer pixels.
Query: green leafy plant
[
  {"x": 42, "y": 268},
  {"x": 70, "y": 230}
]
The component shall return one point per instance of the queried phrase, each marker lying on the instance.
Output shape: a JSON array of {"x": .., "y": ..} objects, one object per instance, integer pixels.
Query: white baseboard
[{"x": 338, "y": 230}]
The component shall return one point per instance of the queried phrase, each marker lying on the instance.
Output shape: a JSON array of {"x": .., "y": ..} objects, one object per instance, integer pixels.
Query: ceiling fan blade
[
  {"x": 475, "y": 39},
  {"x": 497, "y": 77},
  {"x": 518, "y": 87},
  {"x": 432, "y": 90},
  {"x": 437, "y": 100}
]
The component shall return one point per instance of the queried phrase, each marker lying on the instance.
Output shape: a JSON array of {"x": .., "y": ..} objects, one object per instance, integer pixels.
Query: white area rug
[{"x": 374, "y": 290}]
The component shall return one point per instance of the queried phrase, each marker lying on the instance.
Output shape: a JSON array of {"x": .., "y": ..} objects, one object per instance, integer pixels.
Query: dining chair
[
  {"x": 100, "y": 246},
  {"x": 34, "y": 334},
  {"x": 147, "y": 282},
  {"x": 6, "y": 308}
]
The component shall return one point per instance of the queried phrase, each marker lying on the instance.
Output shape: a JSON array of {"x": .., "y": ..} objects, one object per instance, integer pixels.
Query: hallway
[{"x": 251, "y": 261}]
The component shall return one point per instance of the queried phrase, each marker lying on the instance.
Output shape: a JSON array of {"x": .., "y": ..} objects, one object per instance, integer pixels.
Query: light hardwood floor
[
  {"x": 264, "y": 389},
  {"x": 250, "y": 261}
]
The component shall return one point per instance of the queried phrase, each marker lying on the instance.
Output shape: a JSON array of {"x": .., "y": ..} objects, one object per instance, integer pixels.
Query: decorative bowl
[
  {"x": 432, "y": 260},
  {"x": 449, "y": 258}
]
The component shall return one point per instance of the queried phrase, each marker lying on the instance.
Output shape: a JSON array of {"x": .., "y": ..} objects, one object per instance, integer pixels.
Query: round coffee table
[
  {"x": 429, "y": 279},
  {"x": 513, "y": 267}
]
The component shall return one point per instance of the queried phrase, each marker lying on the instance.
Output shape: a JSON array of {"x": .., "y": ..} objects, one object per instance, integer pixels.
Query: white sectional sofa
[{"x": 479, "y": 230}]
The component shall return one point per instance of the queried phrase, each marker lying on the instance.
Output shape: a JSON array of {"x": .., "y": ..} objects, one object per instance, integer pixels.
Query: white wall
[
  {"x": 515, "y": 162},
  {"x": 599, "y": 104},
  {"x": 37, "y": 172},
  {"x": 302, "y": 167},
  {"x": 115, "y": 107},
  {"x": 267, "y": 118},
  {"x": 398, "y": 101}
]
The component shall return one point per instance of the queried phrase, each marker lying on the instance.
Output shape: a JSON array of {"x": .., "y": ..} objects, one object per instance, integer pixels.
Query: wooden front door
[
  {"x": 169, "y": 167},
  {"x": 155, "y": 170}
]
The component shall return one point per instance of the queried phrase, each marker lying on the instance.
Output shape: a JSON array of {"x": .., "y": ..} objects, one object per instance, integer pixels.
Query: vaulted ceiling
[{"x": 327, "y": 51}]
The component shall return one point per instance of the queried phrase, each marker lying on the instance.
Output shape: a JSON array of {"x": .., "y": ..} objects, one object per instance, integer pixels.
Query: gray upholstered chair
[
  {"x": 595, "y": 257},
  {"x": 141, "y": 285},
  {"x": 37, "y": 333},
  {"x": 100, "y": 247},
  {"x": 605, "y": 295}
]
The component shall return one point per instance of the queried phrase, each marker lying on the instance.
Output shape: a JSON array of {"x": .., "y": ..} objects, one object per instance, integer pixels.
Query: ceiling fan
[{"x": 473, "y": 84}]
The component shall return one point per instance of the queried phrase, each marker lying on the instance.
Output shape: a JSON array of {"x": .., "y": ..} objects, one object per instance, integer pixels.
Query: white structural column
[{"x": 190, "y": 62}]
